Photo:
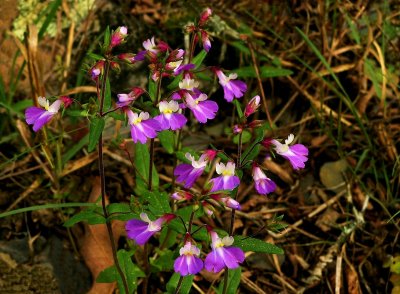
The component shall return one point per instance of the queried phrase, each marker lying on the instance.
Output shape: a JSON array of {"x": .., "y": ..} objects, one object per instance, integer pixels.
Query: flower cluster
[
  {"x": 222, "y": 255},
  {"x": 170, "y": 112}
]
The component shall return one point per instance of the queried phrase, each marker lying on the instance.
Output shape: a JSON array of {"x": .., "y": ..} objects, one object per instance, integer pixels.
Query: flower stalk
[{"x": 103, "y": 185}]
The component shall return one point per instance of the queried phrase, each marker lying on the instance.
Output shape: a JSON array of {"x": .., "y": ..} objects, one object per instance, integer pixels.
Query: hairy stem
[
  {"x": 103, "y": 185},
  {"x": 233, "y": 213}
]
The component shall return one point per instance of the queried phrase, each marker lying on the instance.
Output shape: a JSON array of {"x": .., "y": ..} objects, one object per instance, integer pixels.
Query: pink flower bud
[
  {"x": 97, "y": 69},
  {"x": 204, "y": 16},
  {"x": 237, "y": 129},
  {"x": 252, "y": 106},
  {"x": 267, "y": 142},
  {"x": 118, "y": 36},
  {"x": 67, "y": 101}
]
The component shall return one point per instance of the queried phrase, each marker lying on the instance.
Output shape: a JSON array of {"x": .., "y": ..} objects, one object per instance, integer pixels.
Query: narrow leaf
[
  {"x": 256, "y": 245},
  {"x": 96, "y": 128}
]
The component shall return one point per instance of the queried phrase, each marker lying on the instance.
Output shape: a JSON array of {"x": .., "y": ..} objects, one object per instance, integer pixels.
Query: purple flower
[
  {"x": 142, "y": 230},
  {"x": 142, "y": 126},
  {"x": 232, "y": 87},
  {"x": 296, "y": 154},
  {"x": 227, "y": 180},
  {"x": 202, "y": 108},
  {"x": 188, "y": 263},
  {"x": 150, "y": 46},
  {"x": 223, "y": 254},
  {"x": 126, "y": 99},
  {"x": 38, "y": 117},
  {"x": 184, "y": 67},
  {"x": 188, "y": 173},
  {"x": 262, "y": 183},
  {"x": 169, "y": 118}
]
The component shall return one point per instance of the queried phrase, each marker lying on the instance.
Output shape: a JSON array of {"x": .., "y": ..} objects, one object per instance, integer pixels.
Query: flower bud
[
  {"x": 204, "y": 16},
  {"x": 97, "y": 69},
  {"x": 67, "y": 101},
  {"x": 118, "y": 36},
  {"x": 267, "y": 142},
  {"x": 255, "y": 124},
  {"x": 252, "y": 106},
  {"x": 237, "y": 129}
]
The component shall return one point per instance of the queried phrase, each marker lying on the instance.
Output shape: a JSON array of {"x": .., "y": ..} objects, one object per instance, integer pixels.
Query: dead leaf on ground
[
  {"x": 96, "y": 246},
  {"x": 331, "y": 175},
  {"x": 353, "y": 283},
  {"x": 328, "y": 219}
]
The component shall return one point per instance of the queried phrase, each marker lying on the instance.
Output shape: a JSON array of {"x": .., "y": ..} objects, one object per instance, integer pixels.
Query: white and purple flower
[
  {"x": 227, "y": 180},
  {"x": 202, "y": 108},
  {"x": 187, "y": 174},
  {"x": 296, "y": 154},
  {"x": 169, "y": 117},
  {"x": 232, "y": 88},
  {"x": 126, "y": 99},
  {"x": 262, "y": 183},
  {"x": 223, "y": 254},
  {"x": 38, "y": 116},
  {"x": 142, "y": 230},
  {"x": 142, "y": 126},
  {"x": 188, "y": 263}
]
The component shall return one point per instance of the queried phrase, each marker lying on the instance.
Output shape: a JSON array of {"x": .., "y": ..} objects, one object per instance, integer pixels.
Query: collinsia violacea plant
[{"x": 195, "y": 184}]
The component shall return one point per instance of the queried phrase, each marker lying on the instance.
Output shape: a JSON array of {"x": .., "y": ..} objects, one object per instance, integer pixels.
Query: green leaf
[
  {"x": 238, "y": 108},
  {"x": 233, "y": 281},
  {"x": 91, "y": 216},
  {"x": 132, "y": 271},
  {"x": 109, "y": 275},
  {"x": 107, "y": 38},
  {"x": 185, "y": 287},
  {"x": 246, "y": 137},
  {"x": 96, "y": 128},
  {"x": 199, "y": 58},
  {"x": 142, "y": 162},
  {"x": 265, "y": 72},
  {"x": 152, "y": 89},
  {"x": 50, "y": 15},
  {"x": 94, "y": 56},
  {"x": 120, "y": 211},
  {"x": 118, "y": 208},
  {"x": 170, "y": 234},
  {"x": 74, "y": 149},
  {"x": 158, "y": 202},
  {"x": 164, "y": 261},
  {"x": 45, "y": 206},
  {"x": 107, "y": 96},
  {"x": 256, "y": 245},
  {"x": 167, "y": 140}
]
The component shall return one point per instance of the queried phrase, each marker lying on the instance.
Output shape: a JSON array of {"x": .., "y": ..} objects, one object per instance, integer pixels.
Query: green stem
[
  {"x": 103, "y": 183},
  {"x": 233, "y": 213}
]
